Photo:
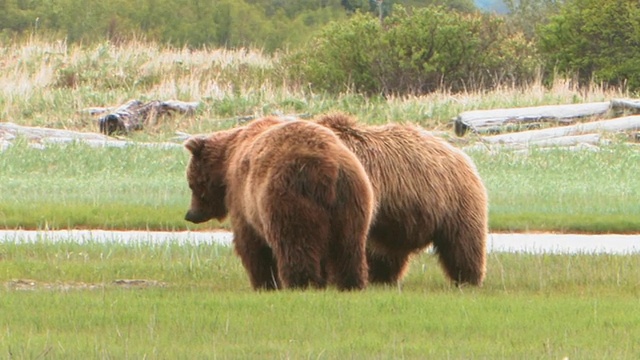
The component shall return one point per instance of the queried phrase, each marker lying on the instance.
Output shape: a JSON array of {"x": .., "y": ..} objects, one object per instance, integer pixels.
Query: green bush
[
  {"x": 599, "y": 40},
  {"x": 343, "y": 55},
  {"x": 417, "y": 52}
]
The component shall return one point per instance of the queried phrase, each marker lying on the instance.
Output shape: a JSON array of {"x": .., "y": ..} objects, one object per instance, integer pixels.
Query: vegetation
[
  {"x": 51, "y": 83},
  {"x": 429, "y": 44},
  {"x": 138, "y": 187},
  {"x": 416, "y": 53},
  {"x": 65, "y": 300},
  {"x": 599, "y": 39}
]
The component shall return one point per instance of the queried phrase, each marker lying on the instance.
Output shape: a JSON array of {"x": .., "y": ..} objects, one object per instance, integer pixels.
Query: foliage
[
  {"x": 387, "y": 6},
  {"x": 528, "y": 15},
  {"x": 195, "y": 23},
  {"x": 266, "y": 24},
  {"x": 416, "y": 52},
  {"x": 599, "y": 40}
]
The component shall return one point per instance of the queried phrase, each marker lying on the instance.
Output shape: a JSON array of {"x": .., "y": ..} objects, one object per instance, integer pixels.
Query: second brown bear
[
  {"x": 300, "y": 202},
  {"x": 428, "y": 192}
]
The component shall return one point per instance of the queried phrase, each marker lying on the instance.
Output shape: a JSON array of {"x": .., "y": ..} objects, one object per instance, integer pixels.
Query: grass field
[
  {"x": 165, "y": 301},
  {"x": 49, "y": 83},
  {"x": 196, "y": 303},
  {"x": 142, "y": 188}
]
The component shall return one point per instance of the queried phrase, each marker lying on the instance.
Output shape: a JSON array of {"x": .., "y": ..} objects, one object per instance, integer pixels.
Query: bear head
[{"x": 206, "y": 175}]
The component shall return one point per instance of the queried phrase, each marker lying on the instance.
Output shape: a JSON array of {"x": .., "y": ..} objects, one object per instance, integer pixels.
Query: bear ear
[{"x": 195, "y": 144}]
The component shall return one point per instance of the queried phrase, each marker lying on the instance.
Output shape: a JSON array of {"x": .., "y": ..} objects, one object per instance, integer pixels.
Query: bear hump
[{"x": 337, "y": 121}]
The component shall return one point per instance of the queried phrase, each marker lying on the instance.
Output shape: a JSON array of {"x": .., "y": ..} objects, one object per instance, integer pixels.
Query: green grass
[
  {"x": 135, "y": 187},
  {"x": 562, "y": 190},
  {"x": 531, "y": 306},
  {"x": 63, "y": 301},
  {"x": 78, "y": 186}
]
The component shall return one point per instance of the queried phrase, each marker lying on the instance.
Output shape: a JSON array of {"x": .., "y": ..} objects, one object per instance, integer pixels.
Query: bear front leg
[{"x": 257, "y": 258}]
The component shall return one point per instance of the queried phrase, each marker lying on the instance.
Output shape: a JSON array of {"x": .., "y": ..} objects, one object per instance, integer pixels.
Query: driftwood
[
  {"x": 626, "y": 104},
  {"x": 9, "y": 131},
  {"x": 495, "y": 120},
  {"x": 40, "y": 137},
  {"x": 573, "y": 142},
  {"x": 531, "y": 137},
  {"x": 135, "y": 114}
]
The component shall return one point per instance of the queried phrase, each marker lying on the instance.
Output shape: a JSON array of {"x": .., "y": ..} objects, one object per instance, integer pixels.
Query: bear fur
[
  {"x": 300, "y": 202},
  {"x": 428, "y": 193}
]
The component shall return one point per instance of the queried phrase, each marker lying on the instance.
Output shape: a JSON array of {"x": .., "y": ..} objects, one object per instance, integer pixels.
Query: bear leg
[
  {"x": 347, "y": 259},
  {"x": 387, "y": 268},
  {"x": 256, "y": 256},
  {"x": 461, "y": 251},
  {"x": 298, "y": 233},
  {"x": 299, "y": 267}
]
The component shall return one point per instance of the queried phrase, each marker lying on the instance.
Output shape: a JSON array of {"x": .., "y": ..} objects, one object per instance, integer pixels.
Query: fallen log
[
  {"x": 567, "y": 142},
  {"x": 135, "y": 114},
  {"x": 571, "y": 140},
  {"x": 495, "y": 120},
  {"x": 628, "y": 123},
  {"x": 40, "y": 137},
  {"x": 10, "y": 130},
  {"x": 626, "y": 104}
]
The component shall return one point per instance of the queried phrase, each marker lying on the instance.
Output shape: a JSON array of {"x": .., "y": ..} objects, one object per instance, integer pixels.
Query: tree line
[{"x": 373, "y": 46}]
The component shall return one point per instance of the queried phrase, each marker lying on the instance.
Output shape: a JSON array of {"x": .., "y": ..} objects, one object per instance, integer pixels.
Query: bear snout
[{"x": 195, "y": 217}]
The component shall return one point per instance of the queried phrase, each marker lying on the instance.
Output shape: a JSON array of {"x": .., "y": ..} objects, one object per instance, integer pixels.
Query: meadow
[
  {"x": 112, "y": 300},
  {"x": 70, "y": 300},
  {"x": 50, "y": 84},
  {"x": 136, "y": 187}
]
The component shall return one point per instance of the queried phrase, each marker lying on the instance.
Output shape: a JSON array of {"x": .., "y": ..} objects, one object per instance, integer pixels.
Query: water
[{"x": 524, "y": 243}]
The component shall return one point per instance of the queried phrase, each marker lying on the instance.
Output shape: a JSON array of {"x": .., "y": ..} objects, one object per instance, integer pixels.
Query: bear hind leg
[
  {"x": 300, "y": 244},
  {"x": 462, "y": 254},
  {"x": 347, "y": 259},
  {"x": 300, "y": 268}
]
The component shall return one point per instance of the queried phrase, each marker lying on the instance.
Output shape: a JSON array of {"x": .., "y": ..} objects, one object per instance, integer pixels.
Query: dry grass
[{"x": 48, "y": 83}]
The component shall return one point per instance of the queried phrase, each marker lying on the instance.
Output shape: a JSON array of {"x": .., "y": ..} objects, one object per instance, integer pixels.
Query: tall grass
[
  {"x": 49, "y": 83},
  {"x": 197, "y": 303}
]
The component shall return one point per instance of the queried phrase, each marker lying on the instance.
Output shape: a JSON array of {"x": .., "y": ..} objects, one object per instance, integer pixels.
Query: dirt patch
[{"x": 32, "y": 285}]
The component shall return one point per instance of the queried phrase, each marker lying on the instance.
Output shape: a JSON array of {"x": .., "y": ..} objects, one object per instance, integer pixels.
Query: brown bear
[
  {"x": 300, "y": 202},
  {"x": 428, "y": 193}
]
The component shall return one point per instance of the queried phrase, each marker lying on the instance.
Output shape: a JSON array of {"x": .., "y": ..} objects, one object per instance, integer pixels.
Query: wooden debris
[
  {"x": 531, "y": 137},
  {"x": 10, "y": 130},
  {"x": 496, "y": 119},
  {"x": 135, "y": 114},
  {"x": 40, "y": 137},
  {"x": 626, "y": 104}
]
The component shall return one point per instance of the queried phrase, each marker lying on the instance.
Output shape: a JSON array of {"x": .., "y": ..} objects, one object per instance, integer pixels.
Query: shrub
[
  {"x": 415, "y": 52},
  {"x": 599, "y": 40}
]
